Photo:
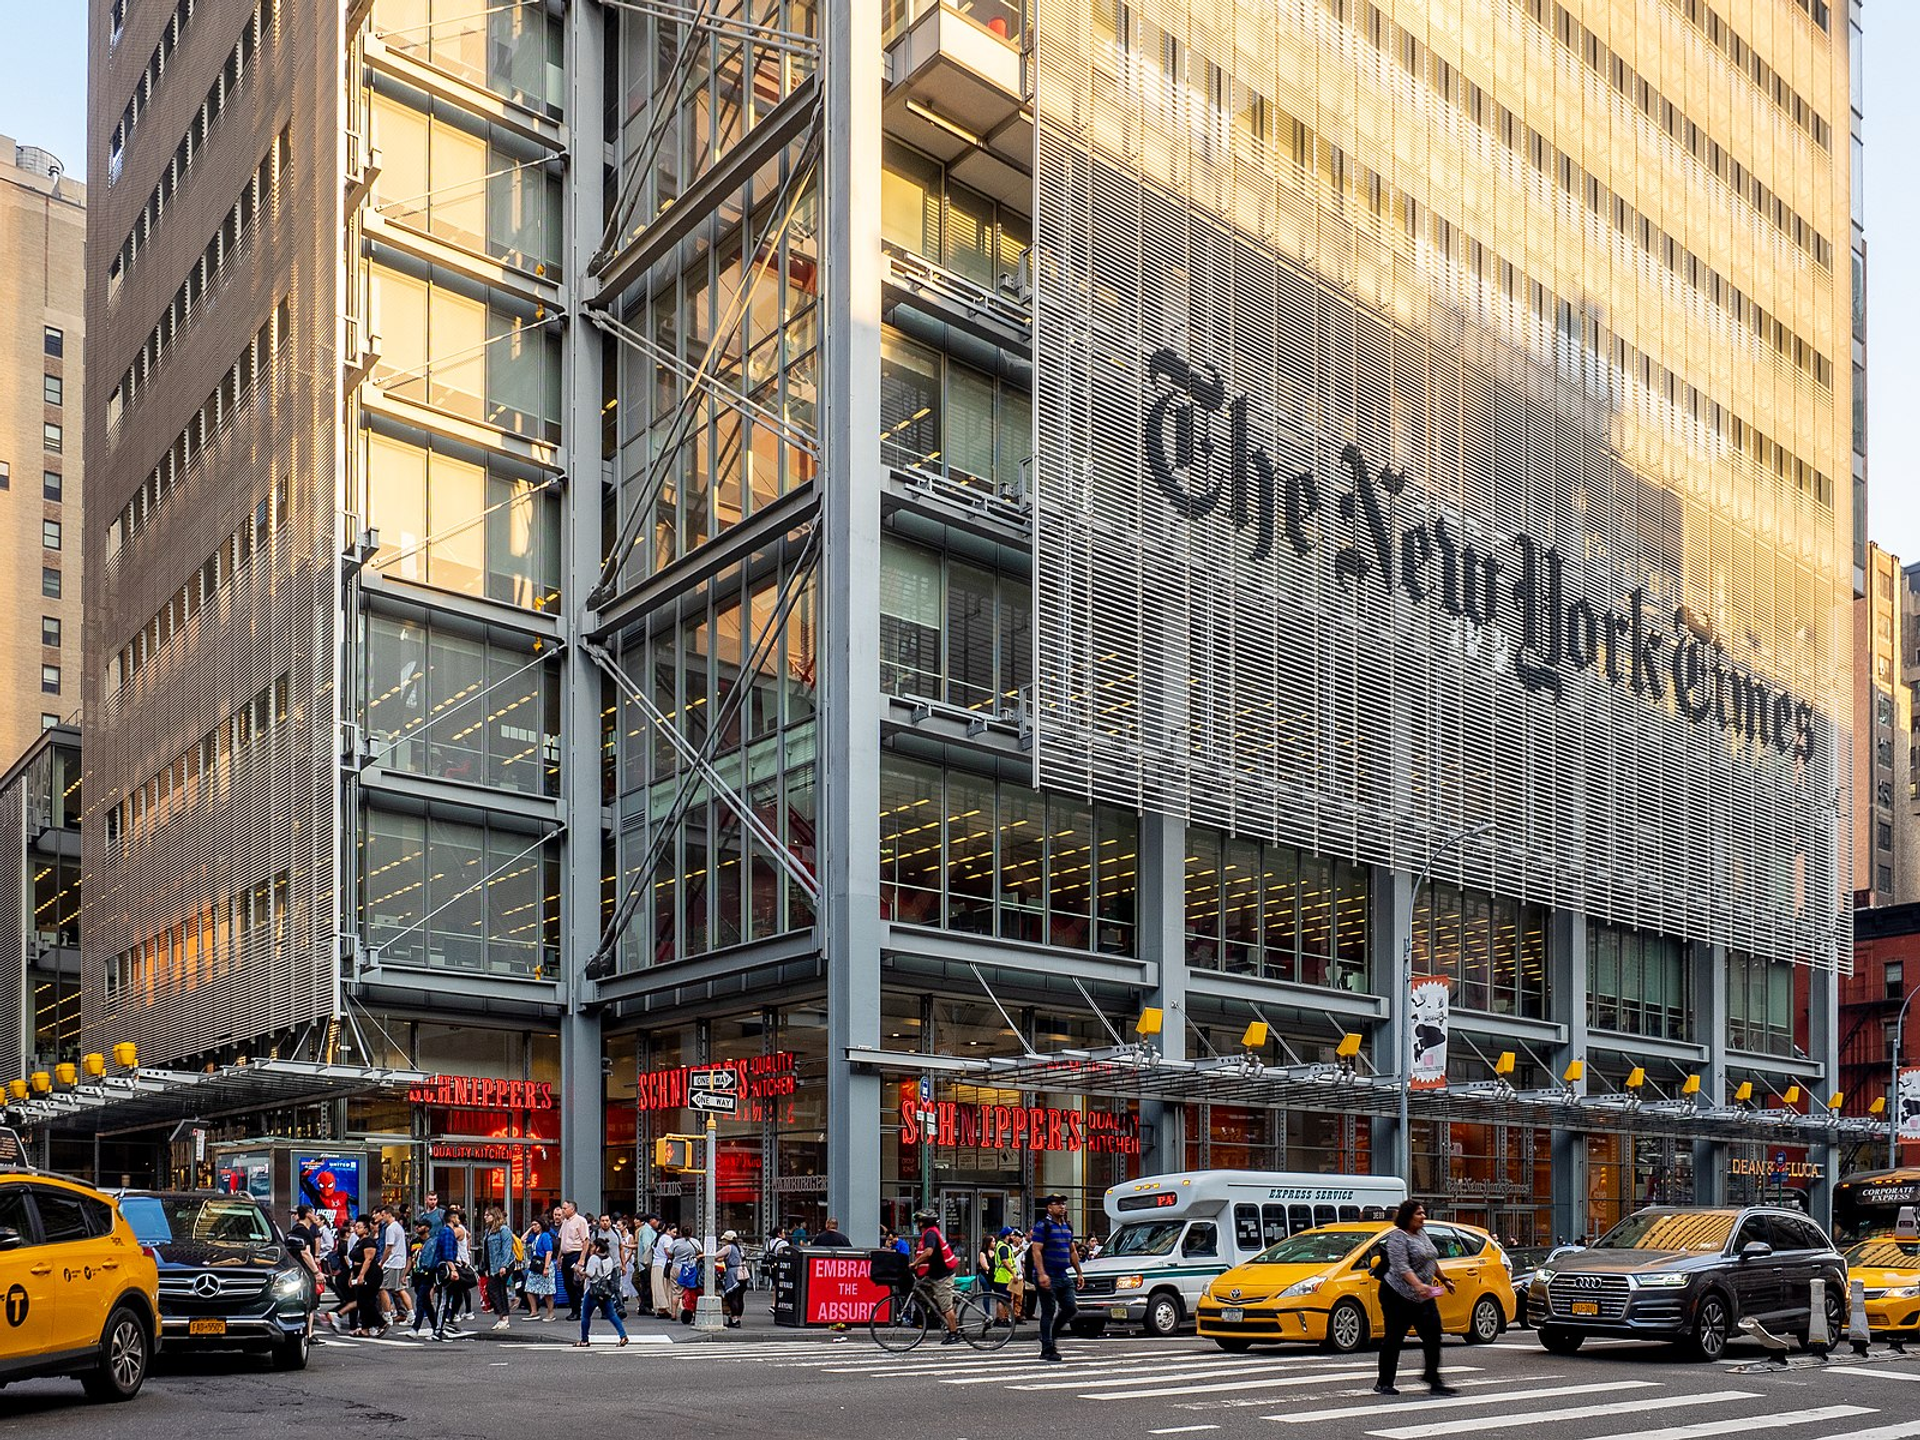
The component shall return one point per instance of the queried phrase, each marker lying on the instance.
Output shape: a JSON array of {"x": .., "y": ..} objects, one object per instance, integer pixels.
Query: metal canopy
[
  {"x": 1135, "y": 1072},
  {"x": 144, "y": 1099}
]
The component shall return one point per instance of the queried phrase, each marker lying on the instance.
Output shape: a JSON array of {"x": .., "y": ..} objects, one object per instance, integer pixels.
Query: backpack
[
  {"x": 1377, "y": 1263},
  {"x": 519, "y": 1251}
]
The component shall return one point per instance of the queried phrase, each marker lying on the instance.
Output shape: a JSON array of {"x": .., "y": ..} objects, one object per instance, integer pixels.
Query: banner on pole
[
  {"x": 1906, "y": 1104},
  {"x": 1429, "y": 1016}
]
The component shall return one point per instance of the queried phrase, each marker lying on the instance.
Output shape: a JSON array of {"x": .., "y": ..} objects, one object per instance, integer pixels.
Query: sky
[{"x": 43, "y": 67}]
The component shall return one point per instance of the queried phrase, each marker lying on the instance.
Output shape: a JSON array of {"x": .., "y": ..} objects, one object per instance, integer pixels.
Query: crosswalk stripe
[
  {"x": 1905, "y": 1430},
  {"x": 1232, "y": 1385},
  {"x": 1750, "y": 1422},
  {"x": 1002, "y": 1362},
  {"x": 1077, "y": 1380},
  {"x": 1549, "y": 1417},
  {"x": 1875, "y": 1372},
  {"x": 1483, "y": 1398}
]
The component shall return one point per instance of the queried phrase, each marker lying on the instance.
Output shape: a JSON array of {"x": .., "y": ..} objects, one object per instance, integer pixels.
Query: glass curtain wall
[
  {"x": 953, "y": 631},
  {"x": 1274, "y": 911},
  {"x": 940, "y": 415},
  {"x": 456, "y": 705},
  {"x": 446, "y": 894},
  {"x": 1638, "y": 983},
  {"x": 1761, "y": 1013},
  {"x": 962, "y": 852},
  {"x": 513, "y": 50},
  {"x": 463, "y": 520},
  {"x": 1494, "y": 950},
  {"x": 476, "y": 354},
  {"x": 712, "y": 885},
  {"x": 450, "y": 174}
]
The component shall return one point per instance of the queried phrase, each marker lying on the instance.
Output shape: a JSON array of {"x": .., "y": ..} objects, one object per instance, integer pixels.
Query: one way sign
[
  {"x": 719, "y": 1078},
  {"x": 716, "y": 1101}
]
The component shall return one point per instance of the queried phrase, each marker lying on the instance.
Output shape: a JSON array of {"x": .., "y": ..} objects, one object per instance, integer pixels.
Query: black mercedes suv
[
  {"x": 1690, "y": 1276},
  {"x": 227, "y": 1279}
]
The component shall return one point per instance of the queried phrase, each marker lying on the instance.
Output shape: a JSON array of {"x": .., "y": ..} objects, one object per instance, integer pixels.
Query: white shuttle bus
[{"x": 1171, "y": 1234}]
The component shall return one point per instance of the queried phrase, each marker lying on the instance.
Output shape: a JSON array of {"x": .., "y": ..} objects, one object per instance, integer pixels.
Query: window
[
  {"x": 50, "y": 534},
  {"x": 13, "y": 1213},
  {"x": 50, "y": 679},
  {"x": 49, "y": 582},
  {"x": 52, "y": 438},
  {"x": 61, "y": 1217},
  {"x": 55, "y": 342},
  {"x": 1203, "y": 1238},
  {"x": 1896, "y": 979},
  {"x": 6, "y": 478},
  {"x": 51, "y": 389},
  {"x": 1246, "y": 1227},
  {"x": 50, "y": 630},
  {"x": 48, "y": 720},
  {"x": 51, "y": 485}
]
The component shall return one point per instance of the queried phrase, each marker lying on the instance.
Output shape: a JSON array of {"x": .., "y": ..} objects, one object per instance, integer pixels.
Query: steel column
[
  {"x": 849, "y": 209},
  {"x": 1567, "y": 984},
  {"x": 1162, "y": 890},
  {"x": 1708, "y": 979},
  {"x": 582, "y": 1088}
]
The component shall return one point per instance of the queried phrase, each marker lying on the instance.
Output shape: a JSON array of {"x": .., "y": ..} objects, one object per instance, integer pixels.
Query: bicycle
[{"x": 901, "y": 1319}]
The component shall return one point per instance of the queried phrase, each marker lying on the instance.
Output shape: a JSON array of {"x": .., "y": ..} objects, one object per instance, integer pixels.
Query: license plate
[
  {"x": 1116, "y": 1312},
  {"x": 1232, "y": 1317},
  {"x": 1586, "y": 1307},
  {"x": 206, "y": 1327}
]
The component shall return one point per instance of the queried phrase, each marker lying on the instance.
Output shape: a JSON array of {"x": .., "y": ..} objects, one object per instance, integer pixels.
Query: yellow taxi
[
  {"x": 1889, "y": 1267},
  {"x": 78, "y": 1294},
  {"x": 1317, "y": 1286}
]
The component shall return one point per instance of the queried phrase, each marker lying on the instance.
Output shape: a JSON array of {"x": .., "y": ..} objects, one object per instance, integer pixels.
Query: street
[{"x": 827, "y": 1387}]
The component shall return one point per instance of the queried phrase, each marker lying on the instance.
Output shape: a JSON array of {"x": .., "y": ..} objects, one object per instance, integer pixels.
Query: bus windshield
[
  {"x": 1698, "y": 1231},
  {"x": 1311, "y": 1247},
  {"x": 1865, "y": 1206},
  {"x": 1155, "y": 1237}
]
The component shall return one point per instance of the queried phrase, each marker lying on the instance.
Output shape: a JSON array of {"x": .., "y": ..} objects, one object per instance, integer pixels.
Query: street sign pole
[
  {"x": 926, "y": 1143},
  {"x": 716, "y": 1085}
]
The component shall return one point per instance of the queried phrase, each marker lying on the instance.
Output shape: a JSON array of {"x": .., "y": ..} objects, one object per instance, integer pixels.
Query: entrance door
[{"x": 476, "y": 1186}]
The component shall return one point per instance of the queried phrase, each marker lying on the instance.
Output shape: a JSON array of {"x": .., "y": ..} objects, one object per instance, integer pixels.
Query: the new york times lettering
[{"x": 1527, "y": 590}]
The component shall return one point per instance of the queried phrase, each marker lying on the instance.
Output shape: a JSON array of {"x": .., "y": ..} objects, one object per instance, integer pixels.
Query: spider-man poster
[{"x": 331, "y": 1183}]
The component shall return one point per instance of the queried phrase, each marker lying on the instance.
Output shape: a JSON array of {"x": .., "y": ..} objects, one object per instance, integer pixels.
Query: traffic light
[{"x": 675, "y": 1152}]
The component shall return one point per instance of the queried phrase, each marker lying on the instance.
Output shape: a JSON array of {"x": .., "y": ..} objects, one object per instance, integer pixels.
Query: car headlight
[
  {"x": 1304, "y": 1287},
  {"x": 1666, "y": 1280},
  {"x": 1545, "y": 1273},
  {"x": 290, "y": 1284},
  {"x": 1129, "y": 1282},
  {"x": 1905, "y": 1292}
]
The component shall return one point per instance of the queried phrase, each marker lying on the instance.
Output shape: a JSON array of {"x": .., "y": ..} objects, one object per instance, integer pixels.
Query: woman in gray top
[{"x": 1408, "y": 1290}]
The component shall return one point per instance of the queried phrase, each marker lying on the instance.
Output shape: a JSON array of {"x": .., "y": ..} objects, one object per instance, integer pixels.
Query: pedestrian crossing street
[{"x": 1529, "y": 1396}]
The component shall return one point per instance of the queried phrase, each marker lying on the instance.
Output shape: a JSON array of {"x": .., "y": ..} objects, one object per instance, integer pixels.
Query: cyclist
[{"x": 934, "y": 1262}]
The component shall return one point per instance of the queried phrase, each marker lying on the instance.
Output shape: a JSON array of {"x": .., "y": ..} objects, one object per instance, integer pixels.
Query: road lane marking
[
  {"x": 1877, "y": 1374},
  {"x": 1229, "y": 1388},
  {"x": 1456, "y": 1401},
  {"x": 1762, "y": 1422},
  {"x": 1905, "y": 1430},
  {"x": 1548, "y": 1417},
  {"x": 1116, "y": 1377},
  {"x": 1182, "y": 1429}
]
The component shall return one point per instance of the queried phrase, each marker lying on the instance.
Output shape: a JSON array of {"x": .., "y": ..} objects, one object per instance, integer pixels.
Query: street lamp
[
  {"x": 1893, "y": 1090},
  {"x": 1403, "y": 1002}
]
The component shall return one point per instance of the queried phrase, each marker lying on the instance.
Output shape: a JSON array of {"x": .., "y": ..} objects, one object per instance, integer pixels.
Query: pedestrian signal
[{"x": 675, "y": 1152}]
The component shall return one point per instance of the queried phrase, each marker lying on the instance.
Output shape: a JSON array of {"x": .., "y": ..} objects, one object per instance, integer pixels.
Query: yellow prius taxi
[
  {"x": 1889, "y": 1267},
  {"x": 1316, "y": 1286}
]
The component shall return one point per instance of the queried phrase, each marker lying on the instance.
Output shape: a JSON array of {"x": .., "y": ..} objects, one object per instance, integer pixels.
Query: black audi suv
[
  {"x": 1690, "y": 1276},
  {"x": 227, "y": 1279}
]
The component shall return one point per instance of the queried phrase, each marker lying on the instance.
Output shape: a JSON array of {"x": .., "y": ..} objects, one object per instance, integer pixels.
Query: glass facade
[
  {"x": 953, "y": 631},
  {"x": 444, "y": 894}
]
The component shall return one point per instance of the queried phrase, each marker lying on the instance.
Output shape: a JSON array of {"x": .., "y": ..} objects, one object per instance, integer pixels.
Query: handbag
[{"x": 464, "y": 1274}]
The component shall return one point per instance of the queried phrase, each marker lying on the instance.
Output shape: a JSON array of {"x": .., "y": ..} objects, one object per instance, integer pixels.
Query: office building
[
  {"x": 1883, "y": 727},
  {"x": 1052, "y": 559},
  {"x": 43, "y": 231}
]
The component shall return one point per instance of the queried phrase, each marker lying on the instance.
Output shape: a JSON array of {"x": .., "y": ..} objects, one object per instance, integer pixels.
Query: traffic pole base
[{"x": 707, "y": 1314}]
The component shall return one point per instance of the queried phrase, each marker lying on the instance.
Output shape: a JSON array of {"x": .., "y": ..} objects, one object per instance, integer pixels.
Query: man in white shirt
[
  {"x": 396, "y": 1300},
  {"x": 574, "y": 1233},
  {"x": 643, "y": 1241}
]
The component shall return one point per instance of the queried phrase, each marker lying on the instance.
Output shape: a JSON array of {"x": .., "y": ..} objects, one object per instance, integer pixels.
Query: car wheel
[
  {"x": 1712, "y": 1325},
  {"x": 1347, "y": 1329},
  {"x": 292, "y": 1353},
  {"x": 1163, "y": 1315},
  {"x": 1234, "y": 1347},
  {"x": 124, "y": 1353},
  {"x": 1486, "y": 1322},
  {"x": 1558, "y": 1341}
]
